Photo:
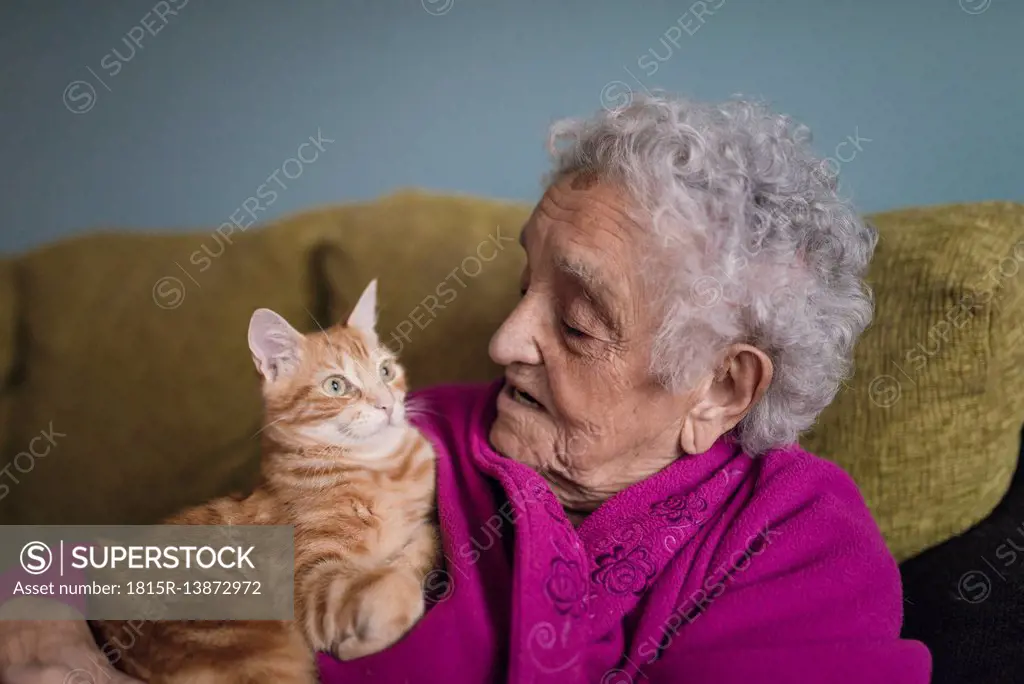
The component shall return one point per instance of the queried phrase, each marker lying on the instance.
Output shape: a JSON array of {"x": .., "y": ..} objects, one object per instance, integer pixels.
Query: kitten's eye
[
  {"x": 336, "y": 386},
  {"x": 387, "y": 370}
]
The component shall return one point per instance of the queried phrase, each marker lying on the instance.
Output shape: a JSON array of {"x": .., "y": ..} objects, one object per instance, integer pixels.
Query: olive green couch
[{"x": 128, "y": 390}]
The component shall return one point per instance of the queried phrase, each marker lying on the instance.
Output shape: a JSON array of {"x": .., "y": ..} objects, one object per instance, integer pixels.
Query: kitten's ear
[
  {"x": 275, "y": 345},
  {"x": 364, "y": 315}
]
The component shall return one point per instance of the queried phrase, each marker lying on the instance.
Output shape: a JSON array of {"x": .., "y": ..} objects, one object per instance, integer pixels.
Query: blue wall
[{"x": 459, "y": 97}]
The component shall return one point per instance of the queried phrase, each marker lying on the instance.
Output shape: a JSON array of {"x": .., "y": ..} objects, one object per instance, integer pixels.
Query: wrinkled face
[{"x": 579, "y": 404}]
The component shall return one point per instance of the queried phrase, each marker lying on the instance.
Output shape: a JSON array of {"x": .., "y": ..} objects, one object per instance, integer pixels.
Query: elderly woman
[{"x": 629, "y": 503}]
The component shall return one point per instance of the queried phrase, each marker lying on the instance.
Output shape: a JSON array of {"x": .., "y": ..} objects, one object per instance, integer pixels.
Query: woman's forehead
[
  {"x": 585, "y": 233},
  {"x": 581, "y": 213}
]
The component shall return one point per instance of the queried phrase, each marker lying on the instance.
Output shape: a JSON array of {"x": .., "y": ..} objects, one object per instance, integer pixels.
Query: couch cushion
[
  {"x": 929, "y": 425},
  {"x": 136, "y": 363},
  {"x": 448, "y": 269}
]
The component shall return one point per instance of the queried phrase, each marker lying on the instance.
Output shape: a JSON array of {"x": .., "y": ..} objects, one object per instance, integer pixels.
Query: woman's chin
[
  {"x": 499, "y": 437},
  {"x": 516, "y": 439}
]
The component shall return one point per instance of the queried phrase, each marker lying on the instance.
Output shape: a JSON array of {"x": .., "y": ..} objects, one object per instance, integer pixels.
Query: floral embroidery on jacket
[
  {"x": 681, "y": 511},
  {"x": 624, "y": 572},
  {"x": 567, "y": 587},
  {"x": 626, "y": 536}
]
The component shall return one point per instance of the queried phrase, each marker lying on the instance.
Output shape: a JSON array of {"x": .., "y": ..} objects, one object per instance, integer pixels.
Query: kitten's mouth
[{"x": 523, "y": 397}]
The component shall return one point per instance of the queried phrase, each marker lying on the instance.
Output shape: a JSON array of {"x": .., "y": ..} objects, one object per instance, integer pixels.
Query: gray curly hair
[{"x": 756, "y": 246}]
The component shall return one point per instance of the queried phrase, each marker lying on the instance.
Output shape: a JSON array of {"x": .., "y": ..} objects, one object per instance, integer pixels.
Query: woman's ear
[
  {"x": 275, "y": 345},
  {"x": 725, "y": 397},
  {"x": 364, "y": 315},
  {"x": 702, "y": 424}
]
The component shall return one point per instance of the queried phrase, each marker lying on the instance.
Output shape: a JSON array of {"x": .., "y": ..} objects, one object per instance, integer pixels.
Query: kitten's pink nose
[{"x": 386, "y": 405}]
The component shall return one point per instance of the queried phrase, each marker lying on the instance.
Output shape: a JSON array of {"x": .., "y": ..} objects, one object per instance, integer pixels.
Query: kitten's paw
[{"x": 383, "y": 612}]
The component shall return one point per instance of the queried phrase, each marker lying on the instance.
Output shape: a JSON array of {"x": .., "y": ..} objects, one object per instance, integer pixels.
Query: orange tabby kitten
[{"x": 340, "y": 463}]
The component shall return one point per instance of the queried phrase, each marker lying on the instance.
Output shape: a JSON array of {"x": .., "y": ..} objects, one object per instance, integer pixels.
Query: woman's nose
[{"x": 516, "y": 340}]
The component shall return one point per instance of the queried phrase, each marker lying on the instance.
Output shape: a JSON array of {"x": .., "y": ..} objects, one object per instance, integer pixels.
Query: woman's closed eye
[
  {"x": 580, "y": 326},
  {"x": 572, "y": 331}
]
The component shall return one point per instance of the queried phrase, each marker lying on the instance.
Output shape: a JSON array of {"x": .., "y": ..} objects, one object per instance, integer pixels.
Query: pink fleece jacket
[{"x": 720, "y": 568}]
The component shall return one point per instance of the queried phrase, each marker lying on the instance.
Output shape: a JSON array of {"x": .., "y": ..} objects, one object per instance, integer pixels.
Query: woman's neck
[{"x": 582, "y": 495}]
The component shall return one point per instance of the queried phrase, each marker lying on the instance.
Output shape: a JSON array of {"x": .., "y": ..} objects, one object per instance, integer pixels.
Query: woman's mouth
[{"x": 524, "y": 398}]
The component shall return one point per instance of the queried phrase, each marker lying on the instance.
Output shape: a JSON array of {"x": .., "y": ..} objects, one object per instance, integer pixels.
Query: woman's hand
[{"x": 56, "y": 650}]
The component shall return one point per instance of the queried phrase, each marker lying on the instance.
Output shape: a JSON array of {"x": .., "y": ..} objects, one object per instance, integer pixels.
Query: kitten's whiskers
[{"x": 271, "y": 423}]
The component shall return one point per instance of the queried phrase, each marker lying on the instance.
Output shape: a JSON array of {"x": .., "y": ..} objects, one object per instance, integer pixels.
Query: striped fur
[{"x": 358, "y": 488}]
